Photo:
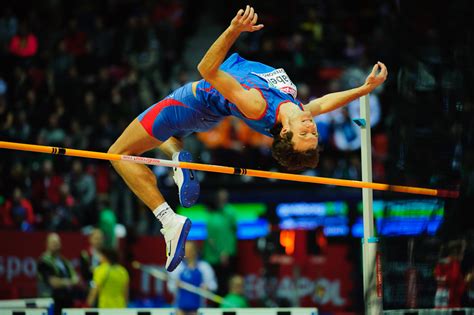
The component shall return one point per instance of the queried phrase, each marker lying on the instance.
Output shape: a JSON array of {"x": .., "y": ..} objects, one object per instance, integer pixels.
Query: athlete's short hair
[{"x": 287, "y": 156}]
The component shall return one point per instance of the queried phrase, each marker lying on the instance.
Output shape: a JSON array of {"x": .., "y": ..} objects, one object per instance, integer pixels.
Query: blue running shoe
[
  {"x": 186, "y": 180},
  {"x": 176, "y": 233}
]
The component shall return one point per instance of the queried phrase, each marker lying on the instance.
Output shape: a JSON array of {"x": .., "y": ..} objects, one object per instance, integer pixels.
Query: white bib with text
[{"x": 278, "y": 79}]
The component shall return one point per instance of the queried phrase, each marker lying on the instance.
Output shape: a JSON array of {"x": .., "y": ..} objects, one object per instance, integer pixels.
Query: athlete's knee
[
  {"x": 114, "y": 149},
  {"x": 117, "y": 148}
]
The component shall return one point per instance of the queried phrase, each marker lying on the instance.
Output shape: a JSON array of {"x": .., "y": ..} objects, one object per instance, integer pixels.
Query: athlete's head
[{"x": 295, "y": 144}]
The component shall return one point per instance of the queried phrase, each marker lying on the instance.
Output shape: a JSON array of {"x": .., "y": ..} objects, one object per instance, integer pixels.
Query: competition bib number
[{"x": 278, "y": 79}]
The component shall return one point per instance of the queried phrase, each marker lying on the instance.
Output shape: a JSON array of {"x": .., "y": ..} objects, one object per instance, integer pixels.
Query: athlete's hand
[
  {"x": 245, "y": 21},
  {"x": 375, "y": 79}
]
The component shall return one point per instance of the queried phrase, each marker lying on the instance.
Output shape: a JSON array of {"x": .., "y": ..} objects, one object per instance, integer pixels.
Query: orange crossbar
[{"x": 230, "y": 170}]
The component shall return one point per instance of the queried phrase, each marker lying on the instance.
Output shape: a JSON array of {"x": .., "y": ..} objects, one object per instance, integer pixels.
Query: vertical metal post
[{"x": 370, "y": 256}]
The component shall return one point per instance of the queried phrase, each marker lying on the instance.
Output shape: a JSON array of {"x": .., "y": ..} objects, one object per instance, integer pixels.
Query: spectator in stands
[
  {"x": 354, "y": 50},
  {"x": 196, "y": 272},
  {"x": 144, "y": 58},
  {"x": 102, "y": 88},
  {"x": 61, "y": 62},
  {"x": 107, "y": 223},
  {"x": 53, "y": 134},
  {"x": 450, "y": 281},
  {"x": 17, "y": 212},
  {"x": 24, "y": 44},
  {"x": 45, "y": 190},
  {"x": 220, "y": 246},
  {"x": 235, "y": 297},
  {"x": 102, "y": 40},
  {"x": 56, "y": 275},
  {"x": 232, "y": 140},
  {"x": 219, "y": 137},
  {"x": 21, "y": 128},
  {"x": 83, "y": 190},
  {"x": 62, "y": 215},
  {"x": 90, "y": 258},
  {"x": 346, "y": 136},
  {"x": 111, "y": 282},
  {"x": 19, "y": 177},
  {"x": 75, "y": 39},
  {"x": 313, "y": 28},
  {"x": 78, "y": 135}
]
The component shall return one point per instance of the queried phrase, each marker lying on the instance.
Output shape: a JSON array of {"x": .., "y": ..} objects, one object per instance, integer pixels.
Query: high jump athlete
[{"x": 260, "y": 95}]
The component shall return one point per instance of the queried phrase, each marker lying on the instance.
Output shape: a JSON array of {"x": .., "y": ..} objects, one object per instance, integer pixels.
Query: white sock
[{"x": 164, "y": 213}]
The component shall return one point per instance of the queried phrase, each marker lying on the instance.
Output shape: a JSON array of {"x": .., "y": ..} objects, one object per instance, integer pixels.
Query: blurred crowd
[
  {"x": 99, "y": 279},
  {"x": 77, "y": 80},
  {"x": 75, "y": 75}
]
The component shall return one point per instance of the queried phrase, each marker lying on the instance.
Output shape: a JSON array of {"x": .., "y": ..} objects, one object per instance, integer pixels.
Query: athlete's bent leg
[{"x": 141, "y": 180}]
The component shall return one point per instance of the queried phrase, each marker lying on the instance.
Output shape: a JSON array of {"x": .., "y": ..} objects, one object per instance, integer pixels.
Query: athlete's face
[{"x": 305, "y": 132}]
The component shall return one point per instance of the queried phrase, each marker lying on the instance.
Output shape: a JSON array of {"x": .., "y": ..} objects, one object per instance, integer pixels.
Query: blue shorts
[{"x": 178, "y": 115}]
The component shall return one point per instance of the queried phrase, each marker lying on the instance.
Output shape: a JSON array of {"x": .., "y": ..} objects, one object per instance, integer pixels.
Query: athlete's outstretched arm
[
  {"x": 333, "y": 101},
  {"x": 248, "y": 101}
]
